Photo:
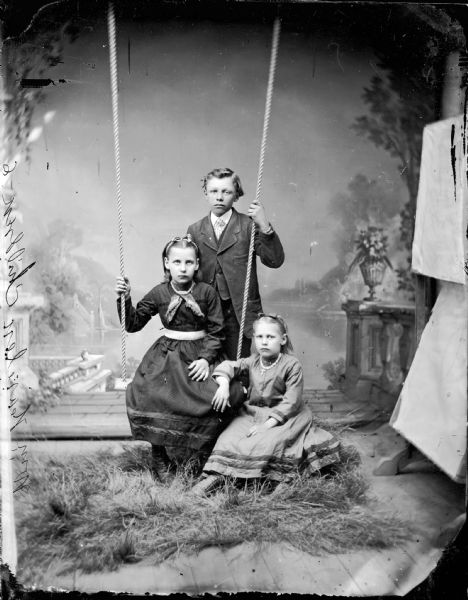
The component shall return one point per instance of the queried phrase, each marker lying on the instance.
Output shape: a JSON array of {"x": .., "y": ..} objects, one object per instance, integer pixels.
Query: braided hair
[{"x": 185, "y": 241}]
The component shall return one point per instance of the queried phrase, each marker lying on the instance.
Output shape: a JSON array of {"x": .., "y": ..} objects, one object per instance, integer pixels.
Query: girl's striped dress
[{"x": 296, "y": 443}]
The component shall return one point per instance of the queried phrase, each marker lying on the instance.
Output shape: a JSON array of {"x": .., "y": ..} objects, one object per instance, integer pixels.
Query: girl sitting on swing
[
  {"x": 273, "y": 435},
  {"x": 169, "y": 399}
]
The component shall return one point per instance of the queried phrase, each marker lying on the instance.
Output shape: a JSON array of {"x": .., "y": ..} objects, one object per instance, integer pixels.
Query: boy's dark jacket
[{"x": 232, "y": 255}]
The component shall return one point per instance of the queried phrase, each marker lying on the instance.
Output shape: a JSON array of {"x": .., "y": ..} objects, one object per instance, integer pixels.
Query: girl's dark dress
[{"x": 164, "y": 406}]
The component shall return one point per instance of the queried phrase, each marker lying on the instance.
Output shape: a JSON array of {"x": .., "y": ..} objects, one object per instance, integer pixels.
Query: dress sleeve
[
  {"x": 214, "y": 326},
  {"x": 269, "y": 248},
  {"x": 292, "y": 401},
  {"x": 137, "y": 317},
  {"x": 233, "y": 368}
]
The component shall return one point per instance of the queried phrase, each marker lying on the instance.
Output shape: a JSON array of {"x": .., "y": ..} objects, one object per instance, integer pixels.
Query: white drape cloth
[
  {"x": 438, "y": 236},
  {"x": 431, "y": 409}
]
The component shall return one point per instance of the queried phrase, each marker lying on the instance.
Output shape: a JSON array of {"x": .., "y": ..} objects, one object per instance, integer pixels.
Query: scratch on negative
[
  {"x": 337, "y": 46},
  {"x": 454, "y": 160},
  {"x": 465, "y": 106},
  {"x": 38, "y": 83},
  {"x": 464, "y": 120}
]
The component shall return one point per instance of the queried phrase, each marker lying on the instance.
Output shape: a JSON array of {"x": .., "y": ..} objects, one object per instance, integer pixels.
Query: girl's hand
[
  {"x": 221, "y": 397},
  {"x": 269, "y": 423},
  {"x": 123, "y": 287},
  {"x": 199, "y": 369},
  {"x": 257, "y": 213}
]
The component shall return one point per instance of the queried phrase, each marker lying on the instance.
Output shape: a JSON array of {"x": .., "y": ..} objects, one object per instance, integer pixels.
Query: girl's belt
[{"x": 184, "y": 335}]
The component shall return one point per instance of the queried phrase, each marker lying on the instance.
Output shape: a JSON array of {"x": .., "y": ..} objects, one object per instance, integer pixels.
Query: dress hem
[{"x": 276, "y": 468}]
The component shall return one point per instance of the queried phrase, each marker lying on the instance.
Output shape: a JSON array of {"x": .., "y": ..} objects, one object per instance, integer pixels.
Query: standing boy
[{"x": 223, "y": 238}]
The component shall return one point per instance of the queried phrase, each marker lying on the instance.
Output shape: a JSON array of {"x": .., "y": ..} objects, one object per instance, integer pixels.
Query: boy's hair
[
  {"x": 221, "y": 174},
  {"x": 287, "y": 348},
  {"x": 180, "y": 242}
]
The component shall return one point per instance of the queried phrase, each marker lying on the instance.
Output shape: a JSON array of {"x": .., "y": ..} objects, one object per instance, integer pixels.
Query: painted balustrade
[
  {"x": 380, "y": 347},
  {"x": 78, "y": 375}
]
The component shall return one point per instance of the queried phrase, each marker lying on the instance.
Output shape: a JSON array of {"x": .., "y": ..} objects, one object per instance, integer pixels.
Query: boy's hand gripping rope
[
  {"x": 115, "y": 124},
  {"x": 266, "y": 122}
]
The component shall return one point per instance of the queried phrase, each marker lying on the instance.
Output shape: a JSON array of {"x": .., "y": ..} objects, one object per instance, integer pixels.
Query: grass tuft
[{"x": 97, "y": 512}]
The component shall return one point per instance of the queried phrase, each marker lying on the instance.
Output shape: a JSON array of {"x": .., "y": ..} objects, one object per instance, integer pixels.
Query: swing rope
[
  {"x": 115, "y": 124},
  {"x": 266, "y": 123}
]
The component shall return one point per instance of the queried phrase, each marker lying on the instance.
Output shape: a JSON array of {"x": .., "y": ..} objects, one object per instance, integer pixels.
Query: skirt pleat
[
  {"x": 277, "y": 453},
  {"x": 166, "y": 407}
]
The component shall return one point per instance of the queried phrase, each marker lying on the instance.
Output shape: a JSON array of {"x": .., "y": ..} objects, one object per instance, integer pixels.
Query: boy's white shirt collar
[{"x": 227, "y": 215}]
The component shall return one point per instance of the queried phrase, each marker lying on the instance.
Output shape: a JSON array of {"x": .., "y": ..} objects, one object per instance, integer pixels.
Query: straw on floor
[{"x": 99, "y": 511}]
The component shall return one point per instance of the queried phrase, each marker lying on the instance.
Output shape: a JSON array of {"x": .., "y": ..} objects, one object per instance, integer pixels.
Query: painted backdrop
[{"x": 192, "y": 96}]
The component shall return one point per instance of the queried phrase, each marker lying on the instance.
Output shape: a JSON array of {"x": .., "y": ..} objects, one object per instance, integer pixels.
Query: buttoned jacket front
[{"x": 232, "y": 255}]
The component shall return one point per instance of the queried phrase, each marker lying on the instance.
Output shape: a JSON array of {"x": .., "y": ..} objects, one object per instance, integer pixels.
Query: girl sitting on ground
[
  {"x": 273, "y": 435},
  {"x": 169, "y": 399}
]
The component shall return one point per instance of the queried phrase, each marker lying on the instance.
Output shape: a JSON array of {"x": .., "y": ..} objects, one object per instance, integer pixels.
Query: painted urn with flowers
[{"x": 371, "y": 257}]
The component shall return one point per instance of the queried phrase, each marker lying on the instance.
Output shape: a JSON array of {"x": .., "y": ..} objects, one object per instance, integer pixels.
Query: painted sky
[{"x": 192, "y": 98}]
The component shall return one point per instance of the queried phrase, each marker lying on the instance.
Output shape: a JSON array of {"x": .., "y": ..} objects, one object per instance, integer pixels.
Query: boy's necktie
[{"x": 218, "y": 227}]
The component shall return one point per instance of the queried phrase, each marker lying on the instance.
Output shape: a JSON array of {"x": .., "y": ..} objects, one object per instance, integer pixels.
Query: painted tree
[
  {"x": 58, "y": 278},
  {"x": 395, "y": 124},
  {"x": 31, "y": 55},
  {"x": 365, "y": 201},
  {"x": 404, "y": 97}
]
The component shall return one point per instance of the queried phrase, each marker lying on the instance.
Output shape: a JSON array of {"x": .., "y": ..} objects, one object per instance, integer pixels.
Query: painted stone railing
[
  {"x": 380, "y": 345},
  {"x": 59, "y": 379},
  {"x": 81, "y": 374},
  {"x": 48, "y": 364}
]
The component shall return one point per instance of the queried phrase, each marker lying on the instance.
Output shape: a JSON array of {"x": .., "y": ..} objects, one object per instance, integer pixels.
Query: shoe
[
  {"x": 159, "y": 464},
  {"x": 207, "y": 485}
]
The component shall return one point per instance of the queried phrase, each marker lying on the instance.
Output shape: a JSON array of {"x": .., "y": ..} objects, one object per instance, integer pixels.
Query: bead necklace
[
  {"x": 273, "y": 364},
  {"x": 181, "y": 292}
]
